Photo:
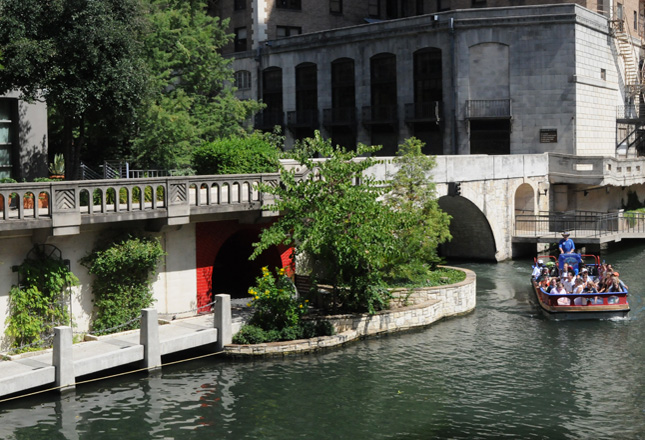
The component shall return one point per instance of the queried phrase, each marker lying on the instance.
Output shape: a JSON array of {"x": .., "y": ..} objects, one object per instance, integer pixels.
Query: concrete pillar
[
  {"x": 63, "y": 359},
  {"x": 149, "y": 338},
  {"x": 222, "y": 321}
]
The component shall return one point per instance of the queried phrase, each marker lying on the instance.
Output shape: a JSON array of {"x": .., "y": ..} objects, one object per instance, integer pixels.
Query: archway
[
  {"x": 472, "y": 236},
  {"x": 233, "y": 272},
  {"x": 524, "y": 200}
]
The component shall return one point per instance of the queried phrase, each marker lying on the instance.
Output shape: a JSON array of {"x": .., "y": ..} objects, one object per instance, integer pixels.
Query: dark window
[
  {"x": 383, "y": 84},
  {"x": 288, "y": 4},
  {"x": 635, "y": 21},
  {"x": 240, "y": 39},
  {"x": 272, "y": 88},
  {"x": 374, "y": 8},
  {"x": 243, "y": 79},
  {"x": 427, "y": 76},
  {"x": 306, "y": 87},
  {"x": 478, "y": 3},
  {"x": 342, "y": 84},
  {"x": 419, "y": 7},
  {"x": 443, "y": 5},
  {"x": 392, "y": 9},
  {"x": 336, "y": 6},
  {"x": 239, "y": 5},
  {"x": 288, "y": 31}
]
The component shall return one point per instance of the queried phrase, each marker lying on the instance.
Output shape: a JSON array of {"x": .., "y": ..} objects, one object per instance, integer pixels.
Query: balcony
[
  {"x": 488, "y": 109},
  {"x": 339, "y": 117},
  {"x": 380, "y": 115},
  {"x": 302, "y": 119},
  {"x": 269, "y": 119},
  {"x": 629, "y": 114},
  {"x": 430, "y": 111}
]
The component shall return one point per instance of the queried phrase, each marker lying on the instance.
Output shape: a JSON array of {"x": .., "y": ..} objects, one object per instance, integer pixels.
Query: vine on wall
[
  {"x": 39, "y": 302},
  {"x": 123, "y": 269}
]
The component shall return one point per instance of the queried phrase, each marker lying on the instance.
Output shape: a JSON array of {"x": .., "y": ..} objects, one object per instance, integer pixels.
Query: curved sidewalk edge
[{"x": 422, "y": 307}]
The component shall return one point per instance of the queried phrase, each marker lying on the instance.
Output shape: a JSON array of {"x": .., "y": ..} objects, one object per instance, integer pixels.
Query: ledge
[{"x": 428, "y": 305}]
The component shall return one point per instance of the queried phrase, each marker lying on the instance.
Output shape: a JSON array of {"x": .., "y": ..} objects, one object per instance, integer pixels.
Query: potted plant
[{"x": 57, "y": 168}]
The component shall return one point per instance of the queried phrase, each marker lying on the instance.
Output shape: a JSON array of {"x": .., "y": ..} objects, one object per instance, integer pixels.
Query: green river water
[{"x": 501, "y": 371}]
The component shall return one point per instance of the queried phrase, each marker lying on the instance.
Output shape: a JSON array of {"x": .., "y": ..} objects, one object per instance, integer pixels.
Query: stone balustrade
[{"x": 65, "y": 206}]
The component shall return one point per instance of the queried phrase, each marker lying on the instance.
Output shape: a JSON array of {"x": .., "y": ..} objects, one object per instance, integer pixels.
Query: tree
[
  {"x": 191, "y": 100},
  {"x": 81, "y": 57},
  {"x": 424, "y": 225},
  {"x": 341, "y": 226}
]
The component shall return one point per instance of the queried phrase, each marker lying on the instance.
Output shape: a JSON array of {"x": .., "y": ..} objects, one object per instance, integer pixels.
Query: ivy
[
  {"x": 38, "y": 303},
  {"x": 123, "y": 269}
]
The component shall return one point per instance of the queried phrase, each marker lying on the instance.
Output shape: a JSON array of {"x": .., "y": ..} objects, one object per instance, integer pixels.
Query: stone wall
[{"x": 423, "y": 307}]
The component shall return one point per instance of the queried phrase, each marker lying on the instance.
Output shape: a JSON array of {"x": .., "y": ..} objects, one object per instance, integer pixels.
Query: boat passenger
[
  {"x": 563, "y": 300},
  {"x": 602, "y": 269},
  {"x": 566, "y": 244},
  {"x": 578, "y": 286},
  {"x": 552, "y": 284},
  {"x": 537, "y": 269},
  {"x": 568, "y": 282},
  {"x": 620, "y": 283}
]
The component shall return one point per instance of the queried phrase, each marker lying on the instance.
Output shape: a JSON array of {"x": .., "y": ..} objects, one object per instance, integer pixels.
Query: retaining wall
[{"x": 421, "y": 308}]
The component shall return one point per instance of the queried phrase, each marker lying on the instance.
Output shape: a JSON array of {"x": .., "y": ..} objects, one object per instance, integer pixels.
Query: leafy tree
[
  {"x": 423, "y": 224},
  {"x": 81, "y": 57},
  {"x": 191, "y": 100},
  {"x": 341, "y": 226}
]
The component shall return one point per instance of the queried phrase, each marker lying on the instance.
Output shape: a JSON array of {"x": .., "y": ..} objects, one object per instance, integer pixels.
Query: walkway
[{"x": 145, "y": 348}]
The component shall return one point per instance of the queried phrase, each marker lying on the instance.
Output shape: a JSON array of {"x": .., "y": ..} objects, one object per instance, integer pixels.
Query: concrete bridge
[{"x": 207, "y": 224}]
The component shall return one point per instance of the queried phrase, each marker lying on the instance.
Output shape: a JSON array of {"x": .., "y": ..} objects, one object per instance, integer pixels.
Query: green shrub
[
  {"x": 249, "y": 334},
  {"x": 237, "y": 155},
  {"x": 123, "y": 268}
]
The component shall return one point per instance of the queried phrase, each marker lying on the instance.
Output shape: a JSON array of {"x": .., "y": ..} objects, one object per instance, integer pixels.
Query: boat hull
[{"x": 574, "y": 312}]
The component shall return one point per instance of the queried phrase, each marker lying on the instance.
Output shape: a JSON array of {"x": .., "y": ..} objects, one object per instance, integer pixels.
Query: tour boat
[{"x": 605, "y": 305}]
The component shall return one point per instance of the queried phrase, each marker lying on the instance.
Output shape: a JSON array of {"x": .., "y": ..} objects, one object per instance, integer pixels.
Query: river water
[{"x": 501, "y": 371}]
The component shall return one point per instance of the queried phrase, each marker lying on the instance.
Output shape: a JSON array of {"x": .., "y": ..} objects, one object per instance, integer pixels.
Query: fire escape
[{"x": 630, "y": 117}]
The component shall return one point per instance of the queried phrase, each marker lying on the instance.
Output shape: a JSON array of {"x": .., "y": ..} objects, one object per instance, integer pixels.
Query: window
[
  {"x": 374, "y": 8},
  {"x": 336, "y": 6},
  {"x": 478, "y": 3},
  {"x": 419, "y": 7},
  {"x": 239, "y": 5},
  {"x": 288, "y": 4},
  {"x": 443, "y": 5},
  {"x": 240, "y": 39},
  {"x": 287, "y": 31},
  {"x": 243, "y": 79},
  {"x": 635, "y": 20},
  {"x": 7, "y": 127},
  {"x": 603, "y": 74}
]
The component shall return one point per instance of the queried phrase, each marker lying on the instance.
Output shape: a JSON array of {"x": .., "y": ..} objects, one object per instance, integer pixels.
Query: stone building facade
[
  {"x": 515, "y": 80},
  {"x": 23, "y": 138}
]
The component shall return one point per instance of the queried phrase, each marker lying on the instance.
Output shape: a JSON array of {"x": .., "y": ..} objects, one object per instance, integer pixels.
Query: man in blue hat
[{"x": 566, "y": 244}]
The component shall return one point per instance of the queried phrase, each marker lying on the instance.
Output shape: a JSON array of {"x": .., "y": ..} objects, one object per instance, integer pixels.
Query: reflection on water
[{"x": 501, "y": 371}]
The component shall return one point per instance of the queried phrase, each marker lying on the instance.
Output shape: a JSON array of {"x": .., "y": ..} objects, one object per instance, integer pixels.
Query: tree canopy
[
  {"x": 123, "y": 79},
  {"x": 190, "y": 100},
  {"x": 82, "y": 58}
]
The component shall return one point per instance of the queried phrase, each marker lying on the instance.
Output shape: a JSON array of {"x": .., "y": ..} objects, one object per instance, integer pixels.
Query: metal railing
[
  {"x": 339, "y": 116},
  {"x": 582, "y": 224},
  {"x": 488, "y": 108},
  {"x": 423, "y": 111}
]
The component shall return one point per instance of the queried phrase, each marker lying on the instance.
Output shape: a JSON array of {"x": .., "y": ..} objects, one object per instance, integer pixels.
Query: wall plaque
[{"x": 548, "y": 135}]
